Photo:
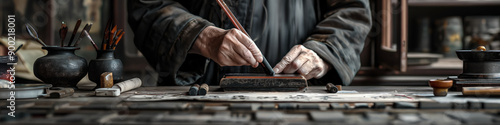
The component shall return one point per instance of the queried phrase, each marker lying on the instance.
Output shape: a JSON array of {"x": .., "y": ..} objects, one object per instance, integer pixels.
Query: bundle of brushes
[
  {"x": 110, "y": 40},
  {"x": 111, "y": 36},
  {"x": 62, "y": 33}
]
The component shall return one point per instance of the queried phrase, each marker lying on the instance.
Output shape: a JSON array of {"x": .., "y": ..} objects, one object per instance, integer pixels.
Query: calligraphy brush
[
  {"x": 111, "y": 37},
  {"x": 267, "y": 67},
  {"x": 91, "y": 40},
  {"x": 119, "y": 38},
  {"x": 62, "y": 33},
  {"x": 86, "y": 28},
  {"x": 77, "y": 25},
  {"x": 106, "y": 32}
]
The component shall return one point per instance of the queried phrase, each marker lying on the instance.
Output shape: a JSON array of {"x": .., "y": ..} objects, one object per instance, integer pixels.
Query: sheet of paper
[{"x": 348, "y": 96}]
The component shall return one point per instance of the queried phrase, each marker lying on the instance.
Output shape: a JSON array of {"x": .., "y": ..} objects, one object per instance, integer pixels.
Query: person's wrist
[{"x": 202, "y": 43}]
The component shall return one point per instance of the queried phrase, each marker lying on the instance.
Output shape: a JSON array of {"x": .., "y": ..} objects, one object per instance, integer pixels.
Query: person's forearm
[
  {"x": 340, "y": 45},
  {"x": 227, "y": 47},
  {"x": 161, "y": 27}
]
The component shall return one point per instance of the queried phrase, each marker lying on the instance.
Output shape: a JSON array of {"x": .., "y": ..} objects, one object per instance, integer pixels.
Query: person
[{"x": 193, "y": 41}]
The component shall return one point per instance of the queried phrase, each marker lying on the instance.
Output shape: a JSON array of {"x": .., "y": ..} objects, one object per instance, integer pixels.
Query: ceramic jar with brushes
[
  {"x": 60, "y": 67},
  {"x": 105, "y": 61}
]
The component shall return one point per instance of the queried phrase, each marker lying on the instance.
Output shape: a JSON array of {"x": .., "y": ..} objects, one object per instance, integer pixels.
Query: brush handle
[
  {"x": 267, "y": 67},
  {"x": 77, "y": 25}
]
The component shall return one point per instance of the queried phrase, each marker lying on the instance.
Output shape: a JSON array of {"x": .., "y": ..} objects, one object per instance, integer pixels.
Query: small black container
[
  {"x": 105, "y": 62},
  {"x": 60, "y": 67}
]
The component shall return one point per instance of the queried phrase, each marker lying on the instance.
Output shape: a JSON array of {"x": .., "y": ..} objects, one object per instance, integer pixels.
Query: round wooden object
[{"x": 440, "y": 86}]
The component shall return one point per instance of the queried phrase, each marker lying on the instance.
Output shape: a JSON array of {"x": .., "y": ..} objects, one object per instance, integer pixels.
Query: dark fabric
[{"x": 165, "y": 30}]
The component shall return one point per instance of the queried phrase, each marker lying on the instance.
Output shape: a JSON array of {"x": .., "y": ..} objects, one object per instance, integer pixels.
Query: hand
[
  {"x": 227, "y": 47},
  {"x": 304, "y": 61}
]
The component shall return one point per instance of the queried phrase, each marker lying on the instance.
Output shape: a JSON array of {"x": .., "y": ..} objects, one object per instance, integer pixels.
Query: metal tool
[
  {"x": 77, "y": 25},
  {"x": 119, "y": 88},
  {"x": 62, "y": 32},
  {"x": 34, "y": 34},
  {"x": 265, "y": 64},
  {"x": 60, "y": 92}
]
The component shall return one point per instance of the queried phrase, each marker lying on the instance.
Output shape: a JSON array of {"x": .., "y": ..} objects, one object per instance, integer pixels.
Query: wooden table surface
[
  {"x": 354, "y": 105},
  {"x": 85, "y": 95}
]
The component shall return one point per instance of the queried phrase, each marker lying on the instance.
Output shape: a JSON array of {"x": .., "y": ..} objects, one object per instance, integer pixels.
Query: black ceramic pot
[
  {"x": 60, "y": 67},
  {"x": 105, "y": 62},
  {"x": 480, "y": 64}
]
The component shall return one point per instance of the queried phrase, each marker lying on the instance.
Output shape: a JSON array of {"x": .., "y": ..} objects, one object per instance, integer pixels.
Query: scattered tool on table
[
  {"x": 193, "y": 90},
  {"x": 106, "y": 80},
  {"x": 481, "y": 91},
  {"x": 203, "y": 89},
  {"x": 77, "y": 25},
  {"x": 331, "y": 88},
  {"x": 60, "y": 92},
  {"x": 440, "y": 86},
  {"x": 119, "y": 88},
  {"x": 34, "y": 34},
  {"x": 62, "y": 32},
  {"x": 267, "y": 67}
]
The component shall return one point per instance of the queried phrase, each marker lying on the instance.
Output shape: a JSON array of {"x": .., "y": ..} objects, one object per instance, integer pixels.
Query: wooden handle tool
[
  {"x": 77, "y": 25},
  {"x": 265, "y": 64},
  {"x": 481, "y": 91}
]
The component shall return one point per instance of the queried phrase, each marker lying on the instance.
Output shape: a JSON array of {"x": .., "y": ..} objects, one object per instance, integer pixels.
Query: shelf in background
[{"x": 453, "y": 2}]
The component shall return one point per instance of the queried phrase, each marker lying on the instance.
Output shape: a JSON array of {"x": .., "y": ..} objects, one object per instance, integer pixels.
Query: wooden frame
[{"x": 389, "y": 56}]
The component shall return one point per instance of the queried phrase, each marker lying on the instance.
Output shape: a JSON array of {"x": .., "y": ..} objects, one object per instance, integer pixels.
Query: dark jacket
[{"x": 165, "y": 30}]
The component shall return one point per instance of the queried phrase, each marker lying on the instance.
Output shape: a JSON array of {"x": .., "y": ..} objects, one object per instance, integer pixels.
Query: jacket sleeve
[
  {"x": 164, "y": 32},
  {"x": 339, "y": 38}
]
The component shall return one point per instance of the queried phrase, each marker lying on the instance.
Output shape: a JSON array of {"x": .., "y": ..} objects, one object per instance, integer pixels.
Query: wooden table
[{"x": 411, "y": 103}]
